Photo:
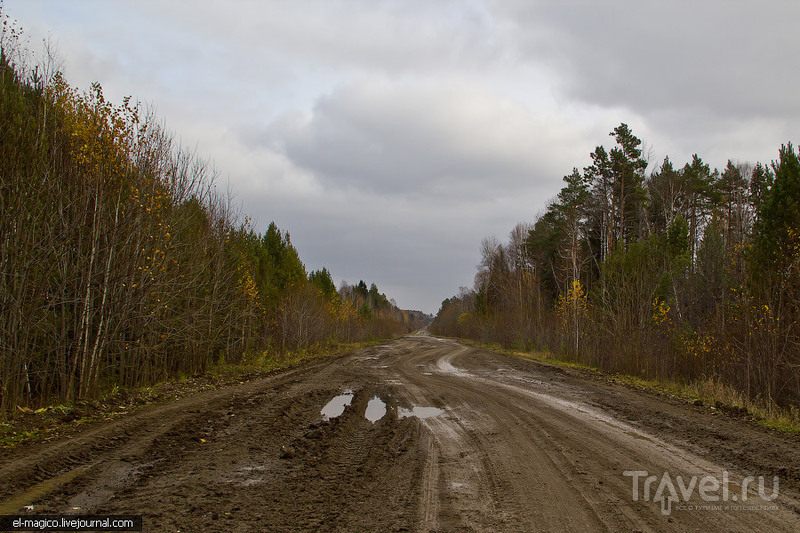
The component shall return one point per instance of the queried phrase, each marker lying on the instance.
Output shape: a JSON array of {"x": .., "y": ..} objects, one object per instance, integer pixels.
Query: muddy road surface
[{"x": 419, "y": 434}]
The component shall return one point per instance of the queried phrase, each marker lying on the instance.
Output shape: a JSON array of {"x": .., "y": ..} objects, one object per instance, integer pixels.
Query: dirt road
[{"x": 420, "y": 434}]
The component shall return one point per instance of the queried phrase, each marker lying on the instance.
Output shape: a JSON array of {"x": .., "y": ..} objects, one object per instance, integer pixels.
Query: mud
[{"x": 427, "y": 435}]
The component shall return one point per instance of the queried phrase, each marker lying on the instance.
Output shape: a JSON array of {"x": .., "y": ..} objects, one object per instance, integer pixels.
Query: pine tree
[
  {"x": 628, "y": 168},
  {"x": 778, "y": 228}
]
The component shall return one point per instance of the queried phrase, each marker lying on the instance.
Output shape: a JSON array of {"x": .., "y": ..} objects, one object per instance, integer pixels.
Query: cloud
[
  {"x": 730, "y": 59},
  {"x": 388, "y": 36},
  {"x": 451, "y": 139}
]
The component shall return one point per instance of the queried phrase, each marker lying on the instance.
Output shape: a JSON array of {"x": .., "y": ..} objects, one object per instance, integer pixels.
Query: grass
[
  {"x": 766, "y": 413},
  {"x": 713, "y": 393},
  {"x": 11, "y": 438},
  {"x": 718, "y": 396},
  {"x": 541, "y": 356},
  {"x": 271, "y": 361},
  {"x": 13, "y": 433}
]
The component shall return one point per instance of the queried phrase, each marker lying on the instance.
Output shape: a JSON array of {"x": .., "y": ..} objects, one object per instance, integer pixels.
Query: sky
[{"x": 390, "y": 137}]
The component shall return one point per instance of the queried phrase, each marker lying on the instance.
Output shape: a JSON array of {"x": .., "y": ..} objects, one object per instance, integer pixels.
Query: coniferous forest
[
  {"x": 685, "y": 273},
  {"x": 121, "y": 263}
]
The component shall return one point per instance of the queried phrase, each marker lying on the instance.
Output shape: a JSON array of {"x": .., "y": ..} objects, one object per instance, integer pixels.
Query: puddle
[
  {"x": 335, "y": 407},
  {"x": 419, "y": 412},
  {"x": 376, "y": 409}
]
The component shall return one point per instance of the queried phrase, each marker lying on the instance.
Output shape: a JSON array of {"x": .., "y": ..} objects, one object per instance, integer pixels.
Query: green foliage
[
  {"x": 324, "y": 282},
  {"x": 575, "y": 194},
  {"x": 778, "y": 229},
  {"x": 678, "y": 238},
  {"x": 760, "y": 184},
  {"x": 630, "y": 281},
  {"x": 710, "y": 271},
  {"x": 365, "y": 311},
  {"x": 543, "y": 245}
]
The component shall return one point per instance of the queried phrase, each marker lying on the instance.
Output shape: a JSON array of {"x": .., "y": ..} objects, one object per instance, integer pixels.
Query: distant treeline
[
  {"x": 685, "y": 273},
  {"x": 121, "y": 264}
]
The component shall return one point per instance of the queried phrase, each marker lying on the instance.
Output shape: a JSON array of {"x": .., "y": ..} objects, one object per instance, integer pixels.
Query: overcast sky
[{"x": 390, "y": 137}]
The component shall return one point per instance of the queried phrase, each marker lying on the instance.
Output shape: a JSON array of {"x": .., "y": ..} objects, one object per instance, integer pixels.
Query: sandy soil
[{"x": 435, "y": 436}]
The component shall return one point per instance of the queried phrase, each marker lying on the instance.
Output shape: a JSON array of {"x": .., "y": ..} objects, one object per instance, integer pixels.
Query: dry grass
[{"x": 766, "y": 412}]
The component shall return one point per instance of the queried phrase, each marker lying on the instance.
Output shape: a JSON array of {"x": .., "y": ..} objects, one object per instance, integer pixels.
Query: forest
[
  {"x": 121, "y": 263},
  {"x": 684, "y": 273}
]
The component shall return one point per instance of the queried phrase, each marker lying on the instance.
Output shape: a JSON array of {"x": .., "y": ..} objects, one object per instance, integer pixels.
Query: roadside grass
[
  {"x": 710, "y": 392},
  {"x": 13, "y": 434},
  {"x": 268, "y": 361},
  {"x": 9, "y": 438},
  {"x": 46, "y": 423},
  {"x": 766, "y": 413}
]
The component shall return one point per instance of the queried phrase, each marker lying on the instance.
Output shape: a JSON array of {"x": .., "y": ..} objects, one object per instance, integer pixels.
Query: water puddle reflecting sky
[
  {"x": 376, "y": 409},
  {"x": 419, "y": 412},
  {"x": 336, "y": 406}
]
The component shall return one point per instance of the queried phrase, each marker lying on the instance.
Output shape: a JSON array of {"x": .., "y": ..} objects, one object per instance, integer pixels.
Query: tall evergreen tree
[
  {"x": 778, "y": 229},
  {"x": 701, "y": 194},
  {"x": 324, "y": 282},
  {"x": 760, "y": 182},
  {"x": 571, "y": 208},
  {"x": 666, "y": 194},
  {"x": 733, "y": 189},
  {"x": 628, "y": 168},
  {"x": 601, "y": 212}
]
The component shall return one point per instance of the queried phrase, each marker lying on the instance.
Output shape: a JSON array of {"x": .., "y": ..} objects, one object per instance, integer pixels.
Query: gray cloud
[
  {"x": 729, "y": 58},
  {"x": 387, "y": 36},
  {"x": 452, "y": 140}
]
